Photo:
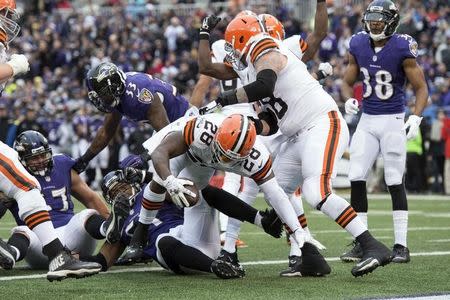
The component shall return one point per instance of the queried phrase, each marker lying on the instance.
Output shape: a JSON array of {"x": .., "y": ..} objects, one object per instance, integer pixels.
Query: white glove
[
  {"x": 19, "y": 64},
  {"x": 326, "y": 68},
  {"x": 175, "y": 187},
  {"x": 413, "y": 124},
  {"x": 351, "y": 106}
]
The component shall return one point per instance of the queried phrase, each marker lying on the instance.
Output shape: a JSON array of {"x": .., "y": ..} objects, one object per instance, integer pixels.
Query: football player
[
  {"x": 163, "y": 244},
  {"x": 18, "y": 184},
  {"x": 137, "y": 96},
  {"x": 383, "y": 60},
  {"x": 317, "y": 133},
  {"x": 59, "y": 182},
  {"x": 199, "y": 146}
]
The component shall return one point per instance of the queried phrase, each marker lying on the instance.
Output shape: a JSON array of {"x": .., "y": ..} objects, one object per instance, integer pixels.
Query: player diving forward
[
  {"x": 382, "y": 59},
  {"x": 58, "y": 182},
  {"x": 317, "y": 132}
]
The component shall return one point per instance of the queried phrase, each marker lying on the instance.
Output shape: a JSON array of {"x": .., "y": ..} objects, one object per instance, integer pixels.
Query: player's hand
[
  {"x": 412, "y": 126},
  {"x": 175, "y": 187},
  {"x": 227, "y": 98},
  {"x": 80, "y": 165},
  {"x": 208, "y": 24},
  {"x": 351, "y": 106},
  {"x": 19, "y": 64},
  {"x": 326, "y": 69},
  {"x": 134, "y": 175}
]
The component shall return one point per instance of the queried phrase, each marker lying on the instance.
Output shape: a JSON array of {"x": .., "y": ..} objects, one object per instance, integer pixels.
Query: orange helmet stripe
[
  {"x": 242, "y": 136},
  {"x": 303, "y": 45}
]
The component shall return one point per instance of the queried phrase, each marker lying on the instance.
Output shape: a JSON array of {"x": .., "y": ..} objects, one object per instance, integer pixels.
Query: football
[{"x": 193, "y": 188}]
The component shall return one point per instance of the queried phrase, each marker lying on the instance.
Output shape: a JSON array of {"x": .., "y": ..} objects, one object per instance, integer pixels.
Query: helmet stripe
[{"x": 243, "y": 133}]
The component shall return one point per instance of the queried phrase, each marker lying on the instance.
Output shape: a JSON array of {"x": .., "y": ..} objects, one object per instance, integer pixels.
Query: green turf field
[{"x": 428, "y": 273}]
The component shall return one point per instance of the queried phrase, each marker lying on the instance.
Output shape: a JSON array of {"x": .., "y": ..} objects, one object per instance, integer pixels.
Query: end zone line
[{"x": 249, "y": 263}]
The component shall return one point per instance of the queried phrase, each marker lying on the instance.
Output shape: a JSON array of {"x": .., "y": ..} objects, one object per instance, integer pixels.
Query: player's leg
[
  {"x": 17, "y": 247},
  {"x": 393, "y": 149},
  {"x": 306, "y": 261},
  {"x": 364, "y": 149},
  {"x": 323, "y": 145},
  {"x": 17, "y": 183}
]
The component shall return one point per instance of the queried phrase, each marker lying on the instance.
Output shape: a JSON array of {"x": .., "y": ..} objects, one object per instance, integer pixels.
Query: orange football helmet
[
  {"x": 240, "y": 30},
  {"x": 234, "y": 139},
  {"x": 273, "y": 26},
  {"x": 9, "y": 28}
]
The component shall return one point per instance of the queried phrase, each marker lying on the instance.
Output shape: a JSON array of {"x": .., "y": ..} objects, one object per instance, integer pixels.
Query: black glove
[
  {"x": 80, "y": 165},
  {"x": 258, "y": 124},
  {"x": 208, "y": 24},
  {"x": 271, "y": 223},
  {"x": 227, "y": 98},
  {"x": 133, "y": 175}
]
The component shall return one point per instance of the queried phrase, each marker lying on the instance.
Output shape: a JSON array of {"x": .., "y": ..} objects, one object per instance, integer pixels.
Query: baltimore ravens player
[
  {"x": 59, "y": 182},
  {"x": 383, "y": 60},
  {"x": 137, "y": 96}
]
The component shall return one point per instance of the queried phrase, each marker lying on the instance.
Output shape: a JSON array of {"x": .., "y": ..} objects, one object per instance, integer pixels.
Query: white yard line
[{"x": 249, "y": 263}]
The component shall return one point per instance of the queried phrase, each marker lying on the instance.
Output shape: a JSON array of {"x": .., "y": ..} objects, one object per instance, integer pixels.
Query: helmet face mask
[
  {"x": 377, "y": 14},
  {"x": 114, "y": 185},
  {"x": 34, "y": 152},
  {"x": 106, "y": 84},
  {"x": 8, "y": 20}
]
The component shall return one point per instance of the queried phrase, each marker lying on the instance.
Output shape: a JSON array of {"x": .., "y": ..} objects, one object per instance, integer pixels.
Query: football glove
[
  {"x": 208, "y": 24},
  {"x": 19, "y": 64},
  {"x": 351, "y": 106},
  {"x": 325, "y": 70},
  {"x": 227, "y": 98},
  {"x": 175, "y": 188},
  {"x": 412, "y": 126}
]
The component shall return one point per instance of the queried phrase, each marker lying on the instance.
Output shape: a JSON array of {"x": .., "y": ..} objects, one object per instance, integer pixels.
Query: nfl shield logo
[{"x": 374, "y": 58}]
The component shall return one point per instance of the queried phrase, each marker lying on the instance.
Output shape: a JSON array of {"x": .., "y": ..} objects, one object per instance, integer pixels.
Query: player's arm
[
  {"x": 101, "y": 140},
  {"x": 107, "y": 255},
  {"x": 350, "y": 77},
  {"x": 156, "y": 114},
  {"x": 415, "y": 76},
  {"x": 207, "y": 67},
  {"x": 87, "y": 196},
  {"x": 200, "y": 90},
  {"x": 171, "y": 146},
  {"x": 320, "y": 31}
]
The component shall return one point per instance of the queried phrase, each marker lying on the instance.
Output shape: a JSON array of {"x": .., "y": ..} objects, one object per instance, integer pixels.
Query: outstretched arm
[
  {"x": 320, "y": 31},
  {"x": 200, "y": 90},
  {"x": 207, "y": 67}
]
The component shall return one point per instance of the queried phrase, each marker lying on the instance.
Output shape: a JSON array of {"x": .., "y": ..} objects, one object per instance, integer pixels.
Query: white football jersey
[
  {"x": 296, "y": 44},
  {"x": 298, "y": 99},
  {"x": 199, "y": 134}
]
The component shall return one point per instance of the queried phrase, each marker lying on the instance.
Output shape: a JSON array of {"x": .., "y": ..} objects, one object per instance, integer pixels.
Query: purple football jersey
[
  {"x": 382, "y": 72},
  {"x": 138, "y": 98}
]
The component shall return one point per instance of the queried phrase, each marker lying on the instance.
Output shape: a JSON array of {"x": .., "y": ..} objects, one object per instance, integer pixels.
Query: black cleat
[
  {"x": 294, "y": 267},
  {"x": 119, "y": 213},
  {"x": 226, "y": 270},
  {"x": 133, "y": 254},
  {"x": 64, "y": 265},
  {"x": 313, "y": 263},
  {"x": 400, "y": 254},
  {"x": 231, "y": 258},
  {"x": 7, "y": 256},
  {"x": 271, "y": 223},
  {"x": 354, "y": 254},
  {"x": 375, "y": 254}
]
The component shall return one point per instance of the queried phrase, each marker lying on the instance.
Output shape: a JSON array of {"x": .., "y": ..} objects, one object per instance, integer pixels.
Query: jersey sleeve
[
  {"x": 408, "y": 46},
  {"x": 64, "y": 160},
  {"x": 353, "y": 42},
  {"x": 297, "y": 45},
  {"x": 260, "y": 47},
  {"x": 189, "y": 131},
  {"x": 263, "y": 171}
]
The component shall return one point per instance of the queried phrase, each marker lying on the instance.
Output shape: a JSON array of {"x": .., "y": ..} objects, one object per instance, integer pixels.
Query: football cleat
[
  {"x": 226, "y": 270},
  {"x": 133, "y": 254},
  {"x": 7, "y": 254},
  {"x": 232, "y": 258},
  {"x": 354, "y": 254},
  {"x": 271, "y": 223},
  {"x": 294, "y": 267},
  {"x": 64, "y": 265},
  {"x": 119, "y": 212},
  {"x": 313, "y": 263},
  {"x": 400, "y": 254},
  {"x": 375, "y": 254}
]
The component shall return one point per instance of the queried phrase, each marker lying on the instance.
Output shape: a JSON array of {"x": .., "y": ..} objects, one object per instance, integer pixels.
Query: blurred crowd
[{"x": 62, "y": 43}]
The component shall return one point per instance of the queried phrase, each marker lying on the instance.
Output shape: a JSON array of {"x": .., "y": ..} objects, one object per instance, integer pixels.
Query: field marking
[
  {"x": 249, "y": 263},
  {"x": 440, "y": 241}
]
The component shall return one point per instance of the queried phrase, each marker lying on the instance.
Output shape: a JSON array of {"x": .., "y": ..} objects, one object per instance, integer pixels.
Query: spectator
[{"x": 446, "y": 138}]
